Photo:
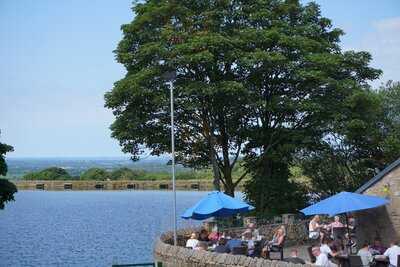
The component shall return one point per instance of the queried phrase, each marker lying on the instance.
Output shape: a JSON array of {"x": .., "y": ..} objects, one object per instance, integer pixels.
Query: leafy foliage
[
  {"x": 4, "y": 148},
  {"x": 7, "y": 191},
  {"x": 363, "y": 139},
  {"x": 96, "y": 174},
  {"x": 124, "y": 174},
  {"x": 265, "y": 80},
  {"x": 53, "y": 173}
]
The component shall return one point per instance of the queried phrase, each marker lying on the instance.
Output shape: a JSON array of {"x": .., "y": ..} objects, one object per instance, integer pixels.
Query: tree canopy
[{"x": 255, "y": 79}]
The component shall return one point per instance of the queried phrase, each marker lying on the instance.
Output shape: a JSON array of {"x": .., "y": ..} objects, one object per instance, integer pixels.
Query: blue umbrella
[
  {"x": 344, "y": 202},
  {"x": 216, "y": 204}
]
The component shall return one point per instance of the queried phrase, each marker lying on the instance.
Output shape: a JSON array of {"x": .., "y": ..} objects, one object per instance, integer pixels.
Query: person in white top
[
  {"x": 365, "y": 255},
  {"x": 322, "y": 259},
  {"x": 192, "y": 241},
  {"x": 314, "y": 228},
  {"x": 325, "y": 247},
  {"x": 392, "y": 253}
]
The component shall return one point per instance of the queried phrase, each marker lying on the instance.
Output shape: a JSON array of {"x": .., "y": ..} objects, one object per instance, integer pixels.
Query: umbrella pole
[
  {"x": 348, "y": 233},
  {"x": 173, "y": 162}
]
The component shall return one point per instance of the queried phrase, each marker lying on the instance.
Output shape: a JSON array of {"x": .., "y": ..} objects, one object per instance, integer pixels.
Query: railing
[{"x": 158, "y": 264}]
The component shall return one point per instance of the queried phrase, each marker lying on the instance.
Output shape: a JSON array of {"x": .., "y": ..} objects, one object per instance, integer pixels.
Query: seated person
[
  {"x": 314, "y": 228},
  {"x": 294, "y": 258},
  {"x": 203, "y": 236},
  {"x": 326, "y": 247},
  {"x": 254, "y": 231},
  {"x": 337, "y": 244},
  {"x": 275, "y": 244},
  {"x": 201, "y": 246},
  {"x": 248, "y": 238},
  {"x": 192, "y": 241},
  {"x": 393, "y": 253},
  {"x": 335, "y": 224},
  {"x": 321, "y": 258},
  {"x": 222, "y": 246},
  {"x": 214, "y": 237},
  {"x": 365, "y": 255},
  {"x": 377, "y": 248}
]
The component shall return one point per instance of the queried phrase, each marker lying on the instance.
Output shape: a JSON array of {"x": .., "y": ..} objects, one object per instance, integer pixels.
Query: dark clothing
[
  {"x": 295, "y": 260},
  {"x": 232, "y": 243},
  {"x": 381, "y": 249},
  {"x": 222, "y": 249},
  {"x": 205, "y": 239}
]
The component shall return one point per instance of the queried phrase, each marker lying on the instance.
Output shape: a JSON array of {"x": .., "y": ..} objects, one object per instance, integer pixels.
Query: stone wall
[
  {"x": 179, "y": 256},
  {"x": 116, "y": 185},
  {"x": 383, "y": 222}
]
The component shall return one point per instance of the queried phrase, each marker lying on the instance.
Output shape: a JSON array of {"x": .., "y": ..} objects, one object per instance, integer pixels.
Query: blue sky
[{"x": 57, "y": 63}]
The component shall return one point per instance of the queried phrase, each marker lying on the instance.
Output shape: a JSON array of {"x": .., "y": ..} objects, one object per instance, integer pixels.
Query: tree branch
[{"x": 240, "y": 178}]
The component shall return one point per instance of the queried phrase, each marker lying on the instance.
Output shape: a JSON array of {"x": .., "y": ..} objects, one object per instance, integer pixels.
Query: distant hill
[{"x": 17, "y": 167}]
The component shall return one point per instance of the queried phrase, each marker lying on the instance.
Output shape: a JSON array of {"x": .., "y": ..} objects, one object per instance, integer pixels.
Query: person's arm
[
  {"x": 386, "y": 253},
  {"x": 280, "y": 241},
  {"x": 370, "y": 258}
]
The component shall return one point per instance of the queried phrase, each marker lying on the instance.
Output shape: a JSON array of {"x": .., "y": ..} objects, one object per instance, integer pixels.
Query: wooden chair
[
  {"x": 355, "y": 261},
  {"x": 242, "y": 250}
]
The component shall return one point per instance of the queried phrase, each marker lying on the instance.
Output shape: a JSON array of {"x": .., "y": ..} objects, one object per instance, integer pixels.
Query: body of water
[{"x": 87, "y": 228}]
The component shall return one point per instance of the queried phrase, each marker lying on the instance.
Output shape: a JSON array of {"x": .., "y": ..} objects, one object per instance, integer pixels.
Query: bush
[
  {"x": 96, "y": 174},
  {"x": 53, "y": 173},
  {"x": 125, "y": 174}
]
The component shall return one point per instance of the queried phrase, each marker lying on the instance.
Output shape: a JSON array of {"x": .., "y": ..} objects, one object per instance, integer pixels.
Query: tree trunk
[{"x": 229, "y": 185}]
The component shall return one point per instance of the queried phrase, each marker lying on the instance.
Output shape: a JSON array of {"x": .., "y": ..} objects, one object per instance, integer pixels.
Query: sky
[{"x": 57, "y": 63}]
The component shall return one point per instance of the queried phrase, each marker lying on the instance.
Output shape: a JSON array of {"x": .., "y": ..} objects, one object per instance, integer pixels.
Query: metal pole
[{"x": 173, "y": 158}]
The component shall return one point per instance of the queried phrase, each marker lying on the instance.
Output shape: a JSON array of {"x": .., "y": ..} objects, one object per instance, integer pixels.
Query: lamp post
[{"x": 170, "y": 76}]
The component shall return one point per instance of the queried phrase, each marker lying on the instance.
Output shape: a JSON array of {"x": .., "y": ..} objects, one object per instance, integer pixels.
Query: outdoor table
[{"x": 381, "y": 261}]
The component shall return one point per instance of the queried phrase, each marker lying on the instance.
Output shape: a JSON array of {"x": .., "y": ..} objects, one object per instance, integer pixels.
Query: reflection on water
[{"x": 86, "y": 228}]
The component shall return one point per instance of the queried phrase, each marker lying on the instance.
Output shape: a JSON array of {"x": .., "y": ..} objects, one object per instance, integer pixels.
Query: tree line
[
  {"x": 262, "y": 81},
  {"x": 100, "y": 174}
]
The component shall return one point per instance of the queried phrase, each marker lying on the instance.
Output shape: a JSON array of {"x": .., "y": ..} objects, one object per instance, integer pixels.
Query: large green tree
[
  {"x": 253, "y": 78},
  {"x": 198, "y": 42}
]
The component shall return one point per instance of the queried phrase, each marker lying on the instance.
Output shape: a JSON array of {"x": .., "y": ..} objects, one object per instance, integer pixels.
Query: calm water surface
[{"x": 86, "y": 228}]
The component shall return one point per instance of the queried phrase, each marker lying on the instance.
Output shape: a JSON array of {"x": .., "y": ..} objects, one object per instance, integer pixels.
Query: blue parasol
[
  {"x": 344, "y": 202},
  {"x": 216, "y": 204}
]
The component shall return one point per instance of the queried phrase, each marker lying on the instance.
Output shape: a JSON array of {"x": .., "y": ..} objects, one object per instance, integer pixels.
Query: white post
[{"x": 173, "y": 158}]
